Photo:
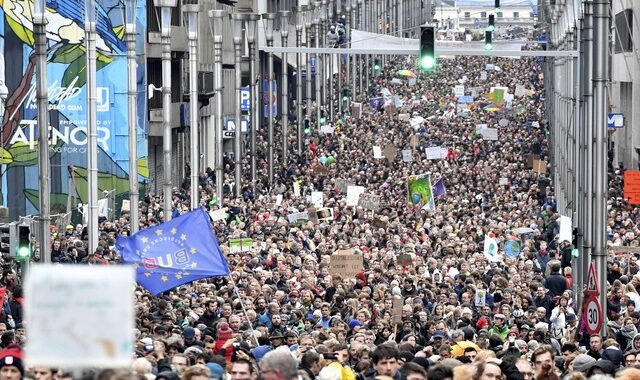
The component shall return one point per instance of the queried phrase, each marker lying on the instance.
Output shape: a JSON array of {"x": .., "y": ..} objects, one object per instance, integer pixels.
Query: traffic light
[
  {"x": 5, "y": 239},
  {"x": 23, "y": 249},
  {"x": 427, "y": 48},
  {"x": 487, "y": 40},
  {"x": 376, "y": 66},
  {"x": 323, "y": 117},
  {"x": 497, "y": 5},
  {"x": 492, "y": 23}
]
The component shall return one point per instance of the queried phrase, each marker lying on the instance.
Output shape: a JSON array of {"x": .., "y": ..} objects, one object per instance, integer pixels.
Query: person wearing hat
[
  {"x": 224, "y": 344},
  {"x": 500, "y": 327},
  {"x": 11, "y": 365}
]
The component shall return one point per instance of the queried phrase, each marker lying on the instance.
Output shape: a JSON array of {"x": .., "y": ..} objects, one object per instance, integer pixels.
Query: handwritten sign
[
  {"x": 540, "y": 166},
  {"x": 435, "y": 153},
  {"x": 220, "y": 214},
  {"x": 369, "y": 202},
  {"x": 79, "y": 316},
  {"x": 126, "y": 205},
  {"x": 317, "y": 198},
  {"x": 346, "y": 263},
  {"x": 396, "y": 310},
  {"x": 353, "y": 195},
  {"x": 390, "y": 152},
  {"x": 404, "y": 117},
  {"x": 490, "y": 134},
  {"x": 407, "y": 155},
  {"x": 237, "y": 245},
  {"x": 377, "y": 152},
  {"x": 298, "y": 218},
  {"x": 632, "y": 186}
]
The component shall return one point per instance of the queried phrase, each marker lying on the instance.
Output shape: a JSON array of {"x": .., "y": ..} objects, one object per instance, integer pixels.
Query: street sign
[
  {"x": 593, "y": 287},
  {"x": 245, "y": 98},
  {"x": 593, "y": 314},
  {"x": 230, "y": 124},
  {"x": 313, "y": 64},
  {"x": 615, "y": 120}
]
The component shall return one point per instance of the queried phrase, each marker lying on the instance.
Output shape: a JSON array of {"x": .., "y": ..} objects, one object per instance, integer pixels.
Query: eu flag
[{"x": 179, "y": 251}]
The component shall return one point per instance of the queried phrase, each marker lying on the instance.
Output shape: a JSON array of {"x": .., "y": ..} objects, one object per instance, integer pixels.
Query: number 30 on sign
[{"x": 593, "y": 314}]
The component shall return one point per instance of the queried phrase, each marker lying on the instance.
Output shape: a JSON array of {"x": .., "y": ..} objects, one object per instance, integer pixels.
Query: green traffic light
[
  {"x": 376, "y": 67},
  {"x": 488, "y": 46},
  {"x": 322, "y": 121},
  {"x": 23, "y": 252},
  {"x": 345, "y": 98},
  {"x": 491, "y": 28},
  {"x": 427, "y": 62}
]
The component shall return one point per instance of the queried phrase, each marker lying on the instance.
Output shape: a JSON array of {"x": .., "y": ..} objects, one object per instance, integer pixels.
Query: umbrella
[
  {"x": 522, "y": 230},
  {"x": 406, "y": 73},
  {"x": 458, "y": 348}
]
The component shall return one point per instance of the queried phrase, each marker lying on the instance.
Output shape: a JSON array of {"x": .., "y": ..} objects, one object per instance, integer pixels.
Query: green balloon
[{"x": 331, "y": 160}]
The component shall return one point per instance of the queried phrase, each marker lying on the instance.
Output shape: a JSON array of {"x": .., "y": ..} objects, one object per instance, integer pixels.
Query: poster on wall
[{"x": 67, "y": 90}]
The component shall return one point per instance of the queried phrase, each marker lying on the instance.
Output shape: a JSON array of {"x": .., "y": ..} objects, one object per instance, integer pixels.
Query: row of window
[{"x": 499, "y": 14}]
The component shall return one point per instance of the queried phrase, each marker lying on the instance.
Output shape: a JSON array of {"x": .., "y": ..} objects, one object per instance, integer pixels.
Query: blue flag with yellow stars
[{"x": 173, "y": 253}]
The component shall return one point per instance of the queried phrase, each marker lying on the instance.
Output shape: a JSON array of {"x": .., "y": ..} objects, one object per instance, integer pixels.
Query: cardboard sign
[
  {"x": 531, "y": 159},
  {"x": 407, "y": 155},
  {"x": 238, "y": 245},
  {"x": 346, "y": 263},
  {"x": 313, "y": 215},
  {"x": 625, "y": 249},
  {"x": 379, "y": 223},
  {"x": 356, "y": 110},
  {"x": 298, "y": 218},
  {"x": 79, "y": 316},
  {"x": 396, "y": 311},
  {"x": 390, "y": 152},
  {"x": 404, "y": 117},
  {"x": 540, "y": 166},
  {"x": 353, "y": 195},
  {"x": 220, "y": 214},
  {"x": 490, "y": 134},
  {"x": 632, "y": 186},
  {"x": 377, "y": 152},
  {"x": 390, "y": 109},
  {"x": 126, "y": 205},
  {"x": 415, "y": 140},
  {"x": 317, "y": 198},
  {"x": 369, "y": 202}
]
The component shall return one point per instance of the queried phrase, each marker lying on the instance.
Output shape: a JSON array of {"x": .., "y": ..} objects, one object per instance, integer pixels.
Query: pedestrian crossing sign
[{"x": 593, "y": 288}]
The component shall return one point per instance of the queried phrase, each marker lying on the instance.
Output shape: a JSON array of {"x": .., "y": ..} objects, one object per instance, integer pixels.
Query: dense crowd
[{"x": 282, "y": 314}]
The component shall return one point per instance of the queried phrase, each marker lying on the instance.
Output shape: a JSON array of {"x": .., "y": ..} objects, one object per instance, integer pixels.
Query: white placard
[
  {"x": 565, "y": 229},
  {"x": 483, "y": 75},
  {"x": 126, "y": 205},
  {"x": 480, "y": 297},
  {"x": 490, "y": 134},
  {"x": 520, "y": 90},
  {"x": 218, "y": 214},
  {"x": 503, "y": 122},
  {"x": 317, "y": 198},
  {"x": 353, "y": 195},
  {"x": 278, "y": 200},
  {"x": 535, "y": 124},
  {"x": 481, "y": 126},
  {"x": 296, "y": 188},
  {"x": 327, "y": 129},
  {"x": 416, "y": 122},
  {"x": 435, "y": 153},
  {"x": 79, "y": 316},
  {"x": 503, "y": 181},
  {"x": 458, "y": 90},
  {"x": 377, "y": 152},
  {"x": 489, "y": 66},
  {"x": 407, "y": 155}
]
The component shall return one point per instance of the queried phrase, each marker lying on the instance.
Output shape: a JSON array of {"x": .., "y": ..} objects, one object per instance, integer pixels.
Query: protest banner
[
  {"x": 377, "y": 152},
  {"x": 625, "y": 249},
  {"x": 540, "y": 166},
  {"x": 407, "y": 155},
  {"x": 126, "y": 205},
  {"x": 79, "y": 316},
  {"x": 396, "y": 310},
  {"x": 353, "y": 195},
  {"x": 219, "y": 214},
  {"x": 238, "y": 245},
  {"x": 490, "y": 134},
  {"x": 342, "y": 184},
  {"x": 298, "y": 218},
  {"x": 632, "y": 186},
  {"x": 435, "y": 153},
  {"x": 369, "y": 202},
  {"x": 390, "y": 152},
  {"x": 346, "y": 263},
  {"x": 324, "y": 214},
  {"x": 404, "y": 117},
  {"x": 317, "y": 198}
]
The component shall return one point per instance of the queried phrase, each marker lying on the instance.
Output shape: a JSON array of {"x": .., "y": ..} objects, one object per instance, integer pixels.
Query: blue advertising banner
[
  {"x": 68, "y": 103},
  {"x": 265, "y": 98}
]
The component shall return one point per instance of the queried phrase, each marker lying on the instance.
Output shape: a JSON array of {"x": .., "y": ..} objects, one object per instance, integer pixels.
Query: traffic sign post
[
  {"x": 593, "y": 315},
  {"x": 593, "y": 287}
]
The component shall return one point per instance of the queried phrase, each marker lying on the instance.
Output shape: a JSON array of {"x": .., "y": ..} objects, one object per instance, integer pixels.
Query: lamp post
[
  {"x": 316, "y": 21},
  {"x": 165, "y": 31},
  {"x": 329, "y": 61},
  {"x": 299, "y": 15},
  {"x": 269, "y": 19},
  {"x": 216, "y": 16},
  {"x": 132, "y": 94},
  {"x": 284, "y": 104},
  {"x": 308, "y": 24},
  {"x": 42, "y": 93},
  {"x": 354, "y": 58},
  {"x": 252, "y": 21},
  {"x": 321, "y": 57},
  {"x": 238, "y": 20},
  {"x": 192, "y": 11},
  {"x": 92, "y": 125},
  {"x": 361, "y": 23}
]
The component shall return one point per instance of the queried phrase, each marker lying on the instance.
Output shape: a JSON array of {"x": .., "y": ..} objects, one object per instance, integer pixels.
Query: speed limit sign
[{"x": 593, "y": 314}]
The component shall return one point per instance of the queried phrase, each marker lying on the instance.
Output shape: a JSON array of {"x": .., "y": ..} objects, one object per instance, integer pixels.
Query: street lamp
[
  {"x": 317, "y": 10},
  {"x": 299, "y": 19},
  {"x": 252, "y": 22},
  {"x": 216, "y": 17},
  {"x": 269, "y": 19},
  {"x": 322, "y": 61},
  {"x": 40, "y": 34},
  {"x": 192, "y": 10},
  {"x": 284, "y": 106},
  {"x": 165, "y": 32},
  {"x": 308, "y": 23},
  {"x": 238, "y": 21},
  {"x": 92, "y": 125},
  {"x": 132, "y": 94}
]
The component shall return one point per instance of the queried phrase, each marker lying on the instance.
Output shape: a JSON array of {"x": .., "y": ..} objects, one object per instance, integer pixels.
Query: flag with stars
[{"x": 173, "y": 253}]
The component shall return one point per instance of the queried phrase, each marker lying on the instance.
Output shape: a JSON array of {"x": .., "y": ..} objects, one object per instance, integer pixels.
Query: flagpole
[{"x": 244, "y": 310}]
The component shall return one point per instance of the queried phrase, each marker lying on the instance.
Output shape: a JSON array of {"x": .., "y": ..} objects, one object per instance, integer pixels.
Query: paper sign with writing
[
  {"x": 458, "y": 90},
  {"x": 483, "y": 75},
  {"x": 356, "y": 110},
  {"x": 126, "y": 205},
  {"x": 490, "y": 134},
  {"x": 480, "y": 297},
  {"x": 346, "y": 263},
  {"x": 404, "y": 117},
  {"x": 540, "y": 166},
  {"x": 369, "y": 202},
  {"x": 435, "y": 153},
  {"x": 503, "y": 122},
  {"x": 353, "y": 195},
  {"x": 79, "y": 316},
  {"x": 377, "y": 152},
  {"x": 480, "y": 127},
  {"x": 220, "y": 214},
  {"x": 296, "y": 188},
  {"x": 407, "y": 155},
  {"x": 520, "y": 90},
  {"x": 278, "y": 200},
  {"x": 632, "y": 186},
  {"x": 237, "y": 245},
  {"x": 297, "y": 218},
  {"x": 327, "y": 129},
  {"x": 396, "y": 311},
  {"x": 390, "y": 152},
  {"x": 503, "y": 181},
  {"x": 317, "y": 198}
]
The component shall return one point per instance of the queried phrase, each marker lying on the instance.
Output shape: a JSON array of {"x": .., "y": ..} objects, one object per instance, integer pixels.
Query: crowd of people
[{"x": 283, "y": 314}]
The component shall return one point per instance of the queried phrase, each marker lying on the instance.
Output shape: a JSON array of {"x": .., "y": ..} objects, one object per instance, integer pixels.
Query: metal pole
[
  {"x": 578, "y": 209},
  {"x": 307, "y": 29},
  {"x": 92, "y": 126},
  {"x": 253, "y": 86},
  {"x": 270, "y": 19},
  {"x": 167, "y": 143},
  {"x": 217, "y": 17},
  {"x": 299, "y": 11},
  {"x": 132, "y": 94},
  {"x": 284, "y": 106},
  {"x": 589, "y": 135},
  {"x": 193, "y": 11},
  {"x": 600, "y": 79},
  {"x": 42, "y": 93},
  {"x": 238, "y": 19}
]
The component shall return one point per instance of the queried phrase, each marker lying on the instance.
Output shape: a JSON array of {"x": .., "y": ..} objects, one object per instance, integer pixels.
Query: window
[
  {"x": 500, "y": 15},
  {"x": 154, "y": 76},
  {"x": 467, "y": 14},
  {"x": 153, "y": 16},
  {"x": 516, "y": 14},
  {"x": 623, "y": 33},
  {"x": 483, "y": 14}
]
